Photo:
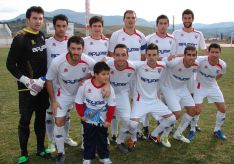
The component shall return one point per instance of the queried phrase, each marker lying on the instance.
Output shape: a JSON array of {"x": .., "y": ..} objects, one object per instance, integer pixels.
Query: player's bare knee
[
  {"x": 60, "y": 121},
  {"x": 177, "y": 115}
]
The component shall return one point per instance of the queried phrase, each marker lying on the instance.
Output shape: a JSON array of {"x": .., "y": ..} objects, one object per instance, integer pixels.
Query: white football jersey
[
  {"x": 166, "y": 45},
  {"x": 97, "y": 49},
  {"x": 176, "y": 74},
  {"x": 69, "y": 76},
  {"x": 147, "y": 80},
  {"x": 55, "y": 48},
  {"x": 136, "y": 43},
  {"x": 120, "y": 80},
  {"x": 91, "y": 95},
  {"x": 183, "y": 39},
  {"x": 206, "y": 74}
]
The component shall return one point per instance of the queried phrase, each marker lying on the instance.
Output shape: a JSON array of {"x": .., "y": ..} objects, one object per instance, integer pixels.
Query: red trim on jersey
[
  {"x": 196, "y": 31},
  {"x": 83, "y": 62},
  {"x": 64, "y": 38},
  {"x": 127, "y": 67},
  {"x": 110, "y": 113},
  {"x": 159, "y": 65},
  {"x": 135, "y": 33},
  {"x": 58, "y": 92},
  {"x": 101, "y": 38},
  {"x": 194, "y": 64},
  {"x": 100, "y": 86},
  {"x": 218, "y": 65},
  {"x": 166, "y": 35},
  {"x": 80, "y": 109},
  {"x": 138, "y": 96},
  {"x": 198, "y": 85}
]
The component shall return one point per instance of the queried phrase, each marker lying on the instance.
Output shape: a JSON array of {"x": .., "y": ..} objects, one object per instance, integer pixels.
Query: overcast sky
[{"x": 206, "y": 11}]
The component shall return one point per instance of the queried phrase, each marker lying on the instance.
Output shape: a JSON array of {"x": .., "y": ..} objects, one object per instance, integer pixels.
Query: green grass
[{"x": 205, "y": 148}]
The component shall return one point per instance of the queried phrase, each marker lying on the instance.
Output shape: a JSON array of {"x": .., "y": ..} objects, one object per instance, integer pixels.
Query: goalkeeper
[{"x": 27, "y": 61}]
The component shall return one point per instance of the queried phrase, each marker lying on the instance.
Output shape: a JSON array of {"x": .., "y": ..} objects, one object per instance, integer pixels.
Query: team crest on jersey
[
  {"x": 170, "y": 42},
  {"x": 54, "y": 44},
  {"x": 181, "y": 34},
  {"x": 89, "y": 90},
  {"x": 194, "y": 70},
  {"x": 84, "y": 69},
  {"x": 129, "y": 74},
  {"x": 146, "y": 70},
  {"x": 139, "y": 41},
  {"x": 217, "y": 71},
  {"x": 106, "y": 44},
  {"x": 65, "y": 70},
  {"x": 205, "y": 67},
  {"x": 179, "y": 69},
  {"x": 112, "y": 72},
  {"x": 91, "y": 43},
  {"x": 33, "y": 42},
  {"x": 123, "y": 39},
  {"x": 159, "y": 70},
  {"x": 156, "y": 41},
  {"x": 196, "y": 36}
]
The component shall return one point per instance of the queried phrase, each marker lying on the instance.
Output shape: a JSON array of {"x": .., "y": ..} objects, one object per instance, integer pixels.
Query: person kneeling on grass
[{"x": 96, "y": 114}]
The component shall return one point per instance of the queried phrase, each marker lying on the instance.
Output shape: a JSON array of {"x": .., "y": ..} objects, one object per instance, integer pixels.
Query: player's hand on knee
[
  {"x": 55, "y": 106},
  {"x": 107, "y": 124}
]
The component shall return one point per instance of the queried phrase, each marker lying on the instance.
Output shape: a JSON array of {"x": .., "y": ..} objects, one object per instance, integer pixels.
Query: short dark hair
[
  {"x": 100, "y": 66},
  {"x": 152, "y": 46},
  {"x": 191, "y": 48},
  {"x": 129, "y": 12},
  {"x": 60, "y": 17},
  {"x": 75, "y": 39},
  {"x": 188, "y": 11},
  {"x": 120, "y": 46},
  {"x": 37, "y": 9},
  {"x": 161, "y": 17},
  {"x": 95, "y": 19},
  {"x": 214, "y": 45}
]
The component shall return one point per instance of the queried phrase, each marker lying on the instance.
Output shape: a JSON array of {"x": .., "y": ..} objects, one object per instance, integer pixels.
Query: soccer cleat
[
  {"x": 113, "y": 139},
  {"x": 131, "y": 145},
  {"x": 220, "y": 135},
  {"x": 164, "y": 140},
  {"x": 86, "y": 161},
  {"x": 70, "y": 142},
  {"x": 198, "y": 129},
  {"x": 105, "y": 161},
  {"x": 141, "y": 136},
  {"x": 191, "y": 135},
  {"x": 123, "y": 148},
  {"x": 51, "y": 147},
  {"x": 155, "y": 139},
  {"x": 146, "y": 131},
  {"x": 23, "y": 159},
  {"x": 44, "y": 154},
  {"x": 181, "y": 138},
  {"x": 60, "y": 158}
]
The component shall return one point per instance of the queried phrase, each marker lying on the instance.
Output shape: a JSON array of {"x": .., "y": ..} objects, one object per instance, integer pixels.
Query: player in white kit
[
  {"x": 175, "y": 91},
  {"x": 122, "y": 72},
  {"x": 96, "y": 45},
  {"x": 189, "y": 36},
  {"x": 210, "y": 69},
  {"x": 145, "y": 101},
  {"x": 166, "y": 45},
  {"x": 69, "y": 69},
  {"x": 134, "y": 40},
  {"x": 56, "y": 46}
]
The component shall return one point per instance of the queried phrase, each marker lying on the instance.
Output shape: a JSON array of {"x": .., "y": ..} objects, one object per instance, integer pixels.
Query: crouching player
[
  {"x": 96, "y": 114},
  {"x": 146, "y": 100},
  {"x": 210, "y": 69}
]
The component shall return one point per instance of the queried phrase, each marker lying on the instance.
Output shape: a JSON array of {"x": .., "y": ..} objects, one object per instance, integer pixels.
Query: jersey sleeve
[
  {"x": 91, "y": 62},
  {"x": 137, "y": 64},
  {"x": 111, "y": 100},
  {"x": 14, "y": 54},
  {"x": 224, "y": 67},
  {"x": 202, "y": 43},
  {"x": 113, "y": 41},
  {"x": 172, "y": 62},
  {"x": 143, "y": 44},
  {"x": 173, "y": 46},
  {"x": 80, "y": 94},
  {"x": 52, "y": 72}
]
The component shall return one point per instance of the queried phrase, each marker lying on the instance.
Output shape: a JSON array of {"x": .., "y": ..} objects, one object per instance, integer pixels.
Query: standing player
[
  {"x": 134, "y": 40},
  {"x": 210, "y": 69},
  {"x": 146, "y": 100},
  {"x": 188, "y": 36},
  {"x": 96, "y": 45},
  {"x": 175, "y": 91},
  {"x": 56, "y": 46},
  {"x": 121, "y": 74},
  {"x": 161, "y": 38},
  {"x": 27, "y": 62},
  {"x": 69, "y": 69},
  {"x": 96, "y": 113}
]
